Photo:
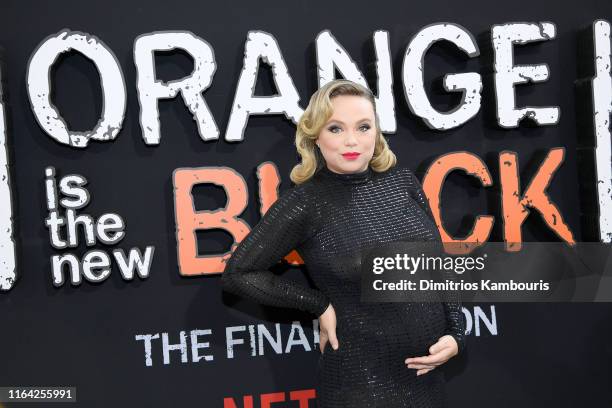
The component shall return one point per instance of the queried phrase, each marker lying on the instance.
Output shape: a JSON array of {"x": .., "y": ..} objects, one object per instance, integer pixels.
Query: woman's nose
[{"x": 350, "y": 139}]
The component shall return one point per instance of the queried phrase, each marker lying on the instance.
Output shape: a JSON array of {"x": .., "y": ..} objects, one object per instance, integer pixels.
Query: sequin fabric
[{"x": 329, "y": 219}]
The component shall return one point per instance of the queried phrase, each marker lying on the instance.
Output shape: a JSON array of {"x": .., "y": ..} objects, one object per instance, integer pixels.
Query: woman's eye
[{"x": 337, "y": 129}]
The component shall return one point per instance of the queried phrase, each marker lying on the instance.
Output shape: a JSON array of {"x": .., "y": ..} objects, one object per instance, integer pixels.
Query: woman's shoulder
[
  {"x": 299, "y": 203},
  {"x": 308, "y": 188},
  {"x": 294, "y": 193},
  {"x": 404, "y": 175},
  {"x": 398, "y": 171},
  {"x": 300, "y": 195}
]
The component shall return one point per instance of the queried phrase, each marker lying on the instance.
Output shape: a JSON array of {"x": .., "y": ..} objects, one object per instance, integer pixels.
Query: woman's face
[{"x": 348, "y": 138}]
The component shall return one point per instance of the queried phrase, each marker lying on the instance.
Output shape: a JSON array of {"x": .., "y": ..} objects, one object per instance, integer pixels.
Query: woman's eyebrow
[{"x": 342, "y": 123}]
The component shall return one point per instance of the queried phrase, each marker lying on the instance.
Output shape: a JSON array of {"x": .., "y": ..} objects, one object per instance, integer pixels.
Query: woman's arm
[
  {"x": 455, "y": 320},
  {"x": 281, "y": 229}
]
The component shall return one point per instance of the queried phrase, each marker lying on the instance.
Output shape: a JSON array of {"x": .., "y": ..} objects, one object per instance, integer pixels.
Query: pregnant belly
[{"x": 391, "y": 328}]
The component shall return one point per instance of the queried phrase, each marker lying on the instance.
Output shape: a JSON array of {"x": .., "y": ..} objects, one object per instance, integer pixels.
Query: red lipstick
[{"x": 350, "y": 155}]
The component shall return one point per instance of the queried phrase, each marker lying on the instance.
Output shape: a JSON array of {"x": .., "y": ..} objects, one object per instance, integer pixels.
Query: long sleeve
[
  {"x": 455, "y": 320},
  {"x": 281, "y": 229}
]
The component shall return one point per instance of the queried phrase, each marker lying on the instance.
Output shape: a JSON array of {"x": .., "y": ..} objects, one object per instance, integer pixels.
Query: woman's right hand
[{"x": 327, "y": 329}]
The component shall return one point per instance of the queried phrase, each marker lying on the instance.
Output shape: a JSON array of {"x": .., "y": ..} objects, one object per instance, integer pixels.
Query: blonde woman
[{"x": 348, "y": 195}]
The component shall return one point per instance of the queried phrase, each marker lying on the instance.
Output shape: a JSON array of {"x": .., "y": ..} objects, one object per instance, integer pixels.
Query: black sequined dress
[{"x": 328, "y": 219}]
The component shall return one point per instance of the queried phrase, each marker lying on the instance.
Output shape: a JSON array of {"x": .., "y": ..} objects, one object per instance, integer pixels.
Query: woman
[{"x": 349, "y": 195}]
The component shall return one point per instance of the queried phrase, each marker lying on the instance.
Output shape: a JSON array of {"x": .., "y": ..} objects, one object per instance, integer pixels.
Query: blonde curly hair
[{"x": 317, "y": 113}]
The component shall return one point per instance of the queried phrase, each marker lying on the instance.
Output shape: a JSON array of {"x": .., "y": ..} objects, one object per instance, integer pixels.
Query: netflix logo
[{"x": 281, "y": 399}]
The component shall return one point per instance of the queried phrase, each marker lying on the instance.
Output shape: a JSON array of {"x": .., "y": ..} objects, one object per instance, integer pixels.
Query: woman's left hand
[{"x": 439, "y": 353}]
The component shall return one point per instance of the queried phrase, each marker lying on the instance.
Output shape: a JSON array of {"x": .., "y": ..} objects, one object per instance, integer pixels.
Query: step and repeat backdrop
[{"x": 140, "y": 141}]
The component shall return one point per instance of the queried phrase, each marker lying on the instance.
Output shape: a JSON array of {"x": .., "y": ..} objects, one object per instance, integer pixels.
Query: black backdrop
[{"x": 537, "y": 354}]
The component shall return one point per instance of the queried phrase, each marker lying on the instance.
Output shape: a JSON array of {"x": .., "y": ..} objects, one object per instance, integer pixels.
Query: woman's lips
[{"x": 350, "y": 155}]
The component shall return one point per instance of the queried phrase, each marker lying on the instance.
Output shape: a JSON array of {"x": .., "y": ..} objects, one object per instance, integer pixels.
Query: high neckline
[{"x": 347, "y": 178}]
